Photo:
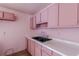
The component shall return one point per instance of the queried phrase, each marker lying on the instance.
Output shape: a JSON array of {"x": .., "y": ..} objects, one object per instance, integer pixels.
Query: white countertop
[
  {"x": 63, "y": 48},
  {"x": 59, "y": 47}
]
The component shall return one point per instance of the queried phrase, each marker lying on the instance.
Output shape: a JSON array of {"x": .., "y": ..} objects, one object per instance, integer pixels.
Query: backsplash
[{"x": 71, "y": 34}]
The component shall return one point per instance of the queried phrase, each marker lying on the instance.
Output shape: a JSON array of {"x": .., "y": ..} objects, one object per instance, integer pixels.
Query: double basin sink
[{"x": 41, "y": 39}]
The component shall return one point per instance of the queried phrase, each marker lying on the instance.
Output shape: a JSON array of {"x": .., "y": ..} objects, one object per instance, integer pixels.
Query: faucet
[{"x": 44, "y": 34}]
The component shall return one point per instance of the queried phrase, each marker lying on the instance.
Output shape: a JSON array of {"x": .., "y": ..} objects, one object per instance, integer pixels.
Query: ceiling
[{"x": 29, "y": 8}]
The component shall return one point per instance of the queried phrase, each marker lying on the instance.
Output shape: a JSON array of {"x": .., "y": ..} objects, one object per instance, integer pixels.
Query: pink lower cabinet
[
  {"x": 46, "y": 51},
  {"x": 32, "y": 48},
  {"x": 56, "y": 54},
  {"x": 29, "y": 45},
  {"x": 37, "y": 49}
]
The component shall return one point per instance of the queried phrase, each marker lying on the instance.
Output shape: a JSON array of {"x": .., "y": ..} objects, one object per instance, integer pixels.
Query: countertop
[{"x": 58, "y": 46}]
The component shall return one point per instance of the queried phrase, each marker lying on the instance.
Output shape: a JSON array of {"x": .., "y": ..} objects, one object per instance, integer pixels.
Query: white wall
[
  {"x": 71, "y": 34},
  {"x": 12, "y": 33}
]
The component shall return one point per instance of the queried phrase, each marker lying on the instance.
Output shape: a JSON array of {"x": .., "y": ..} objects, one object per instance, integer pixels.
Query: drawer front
[
  {"x": 44, "y": 53},
  {"x": 56, "y": 54},
  {"x": 46, "y": 50}
]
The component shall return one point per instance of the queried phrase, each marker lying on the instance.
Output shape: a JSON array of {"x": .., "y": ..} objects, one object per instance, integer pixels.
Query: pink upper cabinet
[
  {"x": 38, "y": 18},
  {"x": 1, "y": 15},
  {"x": 44, "y": 15},
  {"x": 9, "y": 16},
  {"x": 53, "y": 16},
  {"x": 33, "y": 22},
  {"x": 67, "y": 14}
]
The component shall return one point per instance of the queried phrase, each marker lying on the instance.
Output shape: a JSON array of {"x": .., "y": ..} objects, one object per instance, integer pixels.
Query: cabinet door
[
  {"x": 53, "y": 16},
  {"x": 37, "y": 49},
  {"x": 29, "y": 45},
  {"x": 67, "y": 14},
  {"x": 32, "y": 48},
  {"x": 44, "y": 16},
  {"x": 38, "y": 18},
  {"x": 56, "y": 54},
  {"x": 9, "y": 16},
  {"x": 1, "y": 15},
  {"x": 33, "y": 22},
  {"x": 46, "y": 51},
  {"x": 44, "y": 54}
]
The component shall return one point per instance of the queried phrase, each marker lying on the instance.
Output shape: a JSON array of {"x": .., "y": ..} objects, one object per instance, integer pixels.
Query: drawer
[
  {"x": 46, "y": 50},
  {"x": 56, "y": 54}
]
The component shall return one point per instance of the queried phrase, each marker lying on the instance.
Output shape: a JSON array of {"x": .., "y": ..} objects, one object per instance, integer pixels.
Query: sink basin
[{"x": 41, "y": 39}]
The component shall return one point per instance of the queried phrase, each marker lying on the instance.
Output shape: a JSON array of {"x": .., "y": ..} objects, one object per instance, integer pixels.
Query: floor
[{"x": 21, "y": 53}]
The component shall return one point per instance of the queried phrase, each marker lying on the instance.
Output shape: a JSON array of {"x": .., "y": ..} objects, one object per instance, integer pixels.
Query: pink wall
[
  {"x": 71, "y": 34},
  {"x": 12, "y": 33}
]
